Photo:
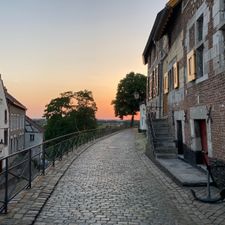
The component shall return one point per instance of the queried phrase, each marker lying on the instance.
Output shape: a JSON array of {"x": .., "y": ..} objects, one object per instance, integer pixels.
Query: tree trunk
[{"x": 132, "y": 121}]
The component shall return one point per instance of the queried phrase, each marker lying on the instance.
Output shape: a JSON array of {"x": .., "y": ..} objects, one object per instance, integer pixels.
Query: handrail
[
  {"x": 151, "y": 125},
  {"x": 22, "y": 167},
  {"x": 49, "y": 141},
  {"x": 151, "y": 132}
]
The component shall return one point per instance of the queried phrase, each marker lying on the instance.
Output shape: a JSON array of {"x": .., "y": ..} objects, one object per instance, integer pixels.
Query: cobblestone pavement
[{"x": 110, "y": 184}]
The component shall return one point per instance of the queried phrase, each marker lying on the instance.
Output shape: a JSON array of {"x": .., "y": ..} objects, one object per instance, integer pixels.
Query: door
[{"x": 179, "y": 137}]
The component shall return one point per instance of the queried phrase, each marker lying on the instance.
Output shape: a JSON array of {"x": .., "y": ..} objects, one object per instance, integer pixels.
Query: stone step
[
  {"x": 164, "y": 144},
  {"x": 160, "y": 123},
  {"x": 166, "y": 156},
  {"x": 163, "y": 136},
  {"x": 157, "y": 127},
  {"x": 160, "y": 120},
  {"x": 167, "y": 138},
  {"x": 162, "y": 133},
  {"x": 166, "y": 150},
  {"x": 164, "y": 129}
]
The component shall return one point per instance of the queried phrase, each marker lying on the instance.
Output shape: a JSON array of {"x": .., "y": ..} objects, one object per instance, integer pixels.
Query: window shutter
[
  {"x": 165, "y": 83},
  {"x": 175, "y": 76},
  {"x": 191, "y": 66}
]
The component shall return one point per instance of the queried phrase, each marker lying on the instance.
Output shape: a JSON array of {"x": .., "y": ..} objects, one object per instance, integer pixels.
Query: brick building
[{"x": 185, "y": 54}]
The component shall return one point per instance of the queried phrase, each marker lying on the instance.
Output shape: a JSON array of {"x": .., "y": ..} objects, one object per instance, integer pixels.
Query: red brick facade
[{"x": 191, "y": 26}]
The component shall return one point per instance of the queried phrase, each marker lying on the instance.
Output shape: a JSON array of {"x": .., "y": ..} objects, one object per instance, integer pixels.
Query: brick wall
[{"x": 205, "y": 92}]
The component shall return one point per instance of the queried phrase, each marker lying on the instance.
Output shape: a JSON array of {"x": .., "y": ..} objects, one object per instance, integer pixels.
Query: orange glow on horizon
[{"x": 87, "y": 47}]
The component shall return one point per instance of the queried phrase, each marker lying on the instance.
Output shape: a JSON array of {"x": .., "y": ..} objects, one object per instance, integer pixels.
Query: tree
[
  {"x": 125, "y": 103},
  {"x": 85, "y": 110},
  {"x": 71, "y": 112}
]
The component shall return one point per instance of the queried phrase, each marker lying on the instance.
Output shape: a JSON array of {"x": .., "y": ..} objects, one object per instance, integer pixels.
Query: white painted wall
[
  {"x": 30, "y": 129},
  {"x": 4, "y": 124},
  {"x": 143, "y": 125}
]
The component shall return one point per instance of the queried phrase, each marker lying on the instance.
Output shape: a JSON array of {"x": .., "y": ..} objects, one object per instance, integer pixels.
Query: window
[
  {"x": 170, "y": 80},
  {"x": 175, "y": 75},
  {"x": 31, "y": 137},
  {"x": 6, "y": 116},
  {"x": 199, "y": 61},
  {"x": 200, "y": 28},
  {"x": 6, "y": 137},
  {"x": 191, "y": 66}
]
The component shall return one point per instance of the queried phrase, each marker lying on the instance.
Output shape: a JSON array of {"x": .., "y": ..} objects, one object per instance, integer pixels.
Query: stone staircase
[{"x": 164, "y": 142}]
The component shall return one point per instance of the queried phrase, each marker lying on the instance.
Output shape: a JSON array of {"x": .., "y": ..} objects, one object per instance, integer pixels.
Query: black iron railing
[
  {"x": 21, "y": 168},
  {"x": 151, "y": 132}
]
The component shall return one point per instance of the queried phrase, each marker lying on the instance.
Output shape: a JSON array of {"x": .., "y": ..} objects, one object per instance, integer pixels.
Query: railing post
[
  {"x": 61, "y": 151},
  {"x": 73, "y": 144},
  {"x": 67, "y": 146},
  {"x": 6, "y": 184},
  {"x": 53, "y": 158},
  {"x": 30, "y": 169},
  {"x": 43, "y": 160}
]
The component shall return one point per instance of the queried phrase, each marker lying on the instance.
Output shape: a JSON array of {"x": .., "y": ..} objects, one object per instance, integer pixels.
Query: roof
[
  {"x": 37, "y": 126},
  {"x": 150, "y": 39},
  {"x": 169, "y": 9},
  {"x": 159, "y": 26},
  {"x": 14, "y": 101},
  {"x": 173, "y": 3}
]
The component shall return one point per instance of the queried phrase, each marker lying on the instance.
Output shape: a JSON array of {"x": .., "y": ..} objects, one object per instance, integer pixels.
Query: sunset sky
[{"x": 51, "y": 46}]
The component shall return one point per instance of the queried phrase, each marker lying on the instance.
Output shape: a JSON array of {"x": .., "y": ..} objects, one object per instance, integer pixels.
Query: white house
[
  {"x": 4, "y": 124},
  {"x": 34, "y": 135},
  {"x": 12, "y": 124}
]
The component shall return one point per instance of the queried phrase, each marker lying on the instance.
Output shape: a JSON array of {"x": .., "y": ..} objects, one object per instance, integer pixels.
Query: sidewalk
[
  {"x": 178, "y": 184},
  {"x": 184, "y": 173},
  {"x": 181, "y": 172}
]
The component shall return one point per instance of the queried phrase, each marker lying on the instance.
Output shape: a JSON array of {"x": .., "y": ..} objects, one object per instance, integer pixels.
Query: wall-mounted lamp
[{"x": 209, "y": 114}]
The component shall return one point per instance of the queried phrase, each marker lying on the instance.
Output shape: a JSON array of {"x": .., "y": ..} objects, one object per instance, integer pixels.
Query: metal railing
[
  {"x": 151, "y": 132},
  {"x": 21, "y": 168}
]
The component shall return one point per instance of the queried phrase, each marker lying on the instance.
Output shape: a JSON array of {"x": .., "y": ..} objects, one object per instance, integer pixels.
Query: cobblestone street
[{"x": 111, "y": 184}]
